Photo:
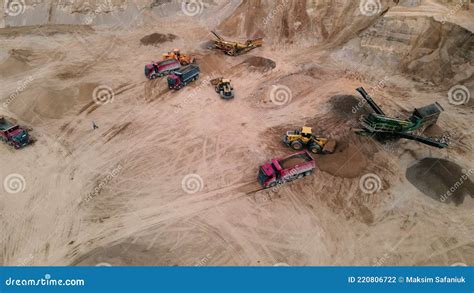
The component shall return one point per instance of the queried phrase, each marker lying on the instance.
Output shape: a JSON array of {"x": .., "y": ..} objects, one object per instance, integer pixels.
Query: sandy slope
[{"x": 114, "y": 195}]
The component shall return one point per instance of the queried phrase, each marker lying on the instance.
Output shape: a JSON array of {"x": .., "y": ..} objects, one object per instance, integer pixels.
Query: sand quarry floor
[{"x": 169, "y": 177}]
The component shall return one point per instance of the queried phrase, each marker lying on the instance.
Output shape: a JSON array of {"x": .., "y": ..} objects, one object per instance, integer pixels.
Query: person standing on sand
[{"x": 94, "y": 126}]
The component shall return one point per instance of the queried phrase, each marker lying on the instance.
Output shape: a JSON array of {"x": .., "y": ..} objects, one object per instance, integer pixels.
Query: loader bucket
[
  {"x": 215, "y": 81},
  {"x": 330, "y": 147}
]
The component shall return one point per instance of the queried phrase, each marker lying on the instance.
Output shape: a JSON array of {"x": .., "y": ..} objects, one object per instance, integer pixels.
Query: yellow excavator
[
  {"x": 234, "y": 48},
  {"x": 304, "y": 137}
]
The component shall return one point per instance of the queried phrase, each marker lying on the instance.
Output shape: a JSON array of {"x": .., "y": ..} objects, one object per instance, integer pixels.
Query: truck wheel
[
  {"x": 299, "y": 176},
  {"x": 153, "y": 76},
  {"x": 307, "y": 173},
  {"x": 297, "y": 145},
  {"x": 273, "y": 184},
  {"x": 315, "y": 148}
]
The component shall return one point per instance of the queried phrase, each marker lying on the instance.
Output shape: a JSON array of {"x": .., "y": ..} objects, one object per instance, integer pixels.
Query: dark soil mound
[
  {"x": 348, "y": 105},
  {"x": 260, "y": 63},
  {"x": 157, "y": 38},
  {"x": 442, "y": 180}
]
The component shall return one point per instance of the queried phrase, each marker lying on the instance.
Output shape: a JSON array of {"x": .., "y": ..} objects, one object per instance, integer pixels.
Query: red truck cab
[
  {"x": 13, "y": 134},
  {"x": 281, "y": 170},
  {"x": 159, "y": 69}
]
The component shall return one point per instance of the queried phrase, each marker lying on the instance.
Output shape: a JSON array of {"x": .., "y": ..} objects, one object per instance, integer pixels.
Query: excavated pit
[{"x": 256, "y": 63}]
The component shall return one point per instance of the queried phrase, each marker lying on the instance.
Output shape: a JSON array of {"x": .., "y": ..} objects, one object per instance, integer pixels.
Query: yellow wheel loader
[
  {"x": 223, "y": 87},
  {"x": 303, "y": 137}
]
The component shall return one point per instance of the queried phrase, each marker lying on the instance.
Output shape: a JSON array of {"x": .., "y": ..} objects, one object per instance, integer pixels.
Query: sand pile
[
  {"x": 344, "y": 104},
  {"x": 348, "y": 161},
  {"x": 293, "y": 20},
  {"x": 442, "y": 180},
  {"x": 292, "y": 162},
  {"x": 157, "y": 38},
  {"x": 348, "y": 109},
  {"x": 414, "y": 46},
  {"x": 214, "y": 63}
]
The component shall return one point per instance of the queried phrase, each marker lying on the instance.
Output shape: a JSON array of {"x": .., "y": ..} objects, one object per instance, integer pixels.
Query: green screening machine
[{"x": 379, "y": 125}]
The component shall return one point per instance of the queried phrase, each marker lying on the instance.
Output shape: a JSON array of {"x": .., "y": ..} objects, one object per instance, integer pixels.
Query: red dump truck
[
  {"x": 13, "y": 134},
  {"x": 281, "y": 170}
]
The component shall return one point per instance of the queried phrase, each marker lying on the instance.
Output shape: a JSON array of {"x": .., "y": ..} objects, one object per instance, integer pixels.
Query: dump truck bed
[
  {"x": 295, "y": 160},
  {"x": 4, "y": 124}
]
